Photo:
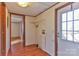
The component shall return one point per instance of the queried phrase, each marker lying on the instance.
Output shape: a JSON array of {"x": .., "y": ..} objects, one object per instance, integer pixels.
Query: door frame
[
  {"x": 56, "y": 20},
  {"x": 3, "y": 28},
  {"x": 23, "y": 27}
]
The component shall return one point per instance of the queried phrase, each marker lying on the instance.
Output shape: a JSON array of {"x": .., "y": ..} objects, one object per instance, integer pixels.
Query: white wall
[
  {"x": 30, "y": 30},
  {"x": 7, "y": 31},
  {"x": 48, "y": 23}
]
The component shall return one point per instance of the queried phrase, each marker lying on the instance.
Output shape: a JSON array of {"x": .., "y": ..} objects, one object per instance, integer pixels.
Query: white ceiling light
[{"x": 23, "y": 4}]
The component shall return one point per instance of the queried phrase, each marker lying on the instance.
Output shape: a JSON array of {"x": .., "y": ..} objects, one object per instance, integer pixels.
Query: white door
[
  {"x": 41, "y": 40},
  {"x": 41, "y": 36},
  {"x": 68, "y": 31}
]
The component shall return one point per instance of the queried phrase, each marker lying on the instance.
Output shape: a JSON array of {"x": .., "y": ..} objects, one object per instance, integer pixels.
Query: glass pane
[
  {"x": 70, "y": 36},
  {"x": 70, "y": 24},
  {"x": 76, "y": 36},
  {"x": 76, "y": 14},
  {"x": 70, "y": 15},
  {"x": 63, "y": 25},
  {"x": 64, "y": 17},
  {"x": 64, "y": 35},
  {"x": 76, "y": 25}
]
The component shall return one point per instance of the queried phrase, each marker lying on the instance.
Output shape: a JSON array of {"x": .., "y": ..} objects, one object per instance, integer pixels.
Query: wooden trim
[
  {"x": 47, "y": 9},
  {"x": 56, "y": 41},
  {"x": 0, "y": 29},
  {"x": 21, "y": 14},
  {"x": 17, "y": 37},
  {"x": 15, "y": 22},
  {"x": 24, "y": 31},
  {"x": 32, "y": 45},
  {"x": 3, "y": 29},
  {"x": 10, "y": 32},
  {"x": 23, "y": 25}
]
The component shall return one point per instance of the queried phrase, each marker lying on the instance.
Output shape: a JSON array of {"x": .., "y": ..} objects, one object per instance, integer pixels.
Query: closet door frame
[{"x": 23, "y": 27}]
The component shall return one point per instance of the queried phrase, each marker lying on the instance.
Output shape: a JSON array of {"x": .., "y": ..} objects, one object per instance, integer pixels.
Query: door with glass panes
[{"x": 69, "y": 33}]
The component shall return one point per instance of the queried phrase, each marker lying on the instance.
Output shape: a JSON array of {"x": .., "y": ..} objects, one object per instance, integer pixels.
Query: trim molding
[
  {"x": 17, "y": 37},
  {"x": 23, "y": 27},
  {"x": 32, "y": 45},
  {"x": 47, "y": 9},
  {"x": 21, "y": 14},
  {"x": 3, "y": 28}
]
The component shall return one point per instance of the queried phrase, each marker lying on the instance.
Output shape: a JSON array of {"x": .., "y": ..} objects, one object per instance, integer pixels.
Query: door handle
[{"x": 57, "y": 34}]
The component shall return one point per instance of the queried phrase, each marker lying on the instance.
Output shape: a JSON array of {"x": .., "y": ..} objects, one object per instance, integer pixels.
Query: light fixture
[{"x": 23, "y": 4}]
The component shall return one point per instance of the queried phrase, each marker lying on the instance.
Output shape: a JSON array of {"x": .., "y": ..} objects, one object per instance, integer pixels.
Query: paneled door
[{"x": 2, "y": 29}]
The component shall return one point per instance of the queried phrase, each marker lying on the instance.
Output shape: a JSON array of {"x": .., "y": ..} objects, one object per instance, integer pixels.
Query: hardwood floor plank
[{"x": 32, "y": 50}]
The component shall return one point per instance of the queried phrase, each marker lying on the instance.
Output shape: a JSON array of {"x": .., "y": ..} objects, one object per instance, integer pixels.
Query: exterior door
[{"x": 2, "y": 29}]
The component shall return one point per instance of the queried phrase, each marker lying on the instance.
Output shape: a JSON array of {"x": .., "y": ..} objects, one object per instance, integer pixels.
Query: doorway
[
  {"x": 67, "y": 30},
  {"x": 17, "y": 31},
  {"x": 58, "y": 28}
]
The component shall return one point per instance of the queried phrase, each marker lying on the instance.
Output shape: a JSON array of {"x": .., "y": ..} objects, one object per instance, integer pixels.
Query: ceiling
[{"x": 35, "y": 9}]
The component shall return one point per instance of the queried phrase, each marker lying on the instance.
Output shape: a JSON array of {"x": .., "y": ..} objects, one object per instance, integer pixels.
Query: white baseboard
[{"x": 16, "y": 41}]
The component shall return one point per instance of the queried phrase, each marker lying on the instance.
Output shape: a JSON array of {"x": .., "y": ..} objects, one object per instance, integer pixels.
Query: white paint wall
[
  {"x": 48, "y": 23},
  {"x": 30, "y": 30},
  {"x": 7, "y": 31}
]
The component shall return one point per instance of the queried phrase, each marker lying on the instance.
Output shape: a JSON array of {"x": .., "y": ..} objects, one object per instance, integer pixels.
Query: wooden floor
[{"x": 32, "y": 50}]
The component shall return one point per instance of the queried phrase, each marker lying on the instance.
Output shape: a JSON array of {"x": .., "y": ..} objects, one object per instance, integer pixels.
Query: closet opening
[{"x": 17, "y": 31}]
